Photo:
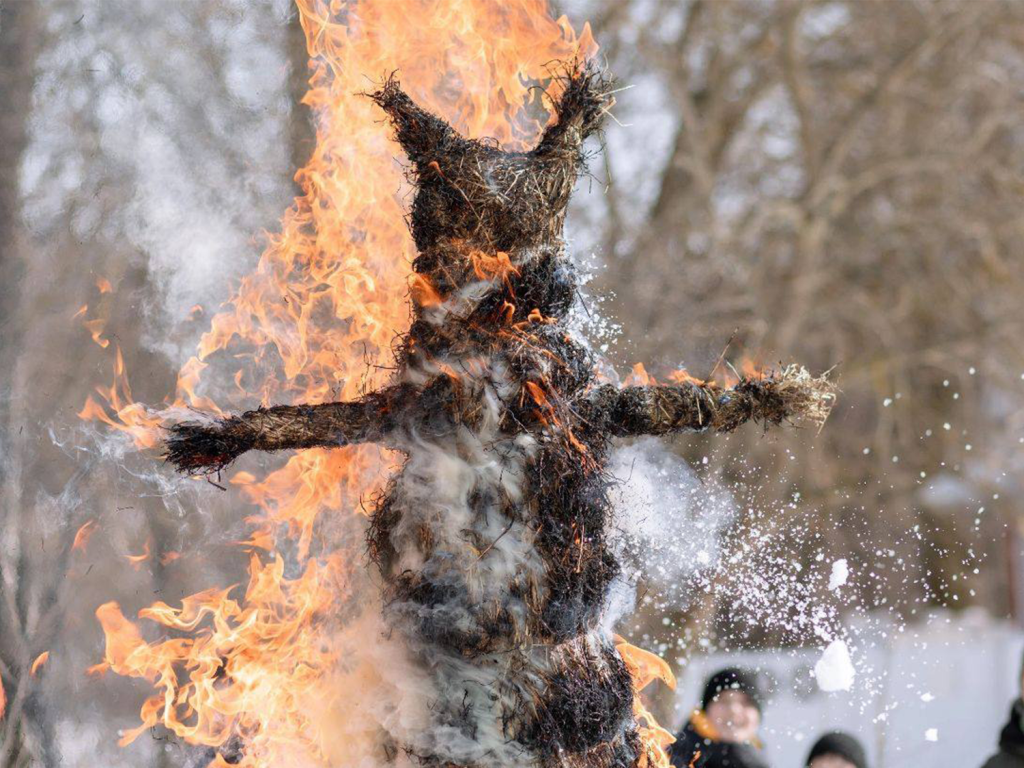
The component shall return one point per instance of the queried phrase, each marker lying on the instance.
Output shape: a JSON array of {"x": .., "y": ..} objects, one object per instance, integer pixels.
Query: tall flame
[{"x": 315, "y": 322}]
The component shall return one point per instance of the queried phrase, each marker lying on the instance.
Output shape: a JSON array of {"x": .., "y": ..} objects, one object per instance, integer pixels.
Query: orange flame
[
  {"x": 138, "y": 560},
  {"x": 41, "y": 659},
  {"x": 96, "y": 325},
  {"x": 729, "y": 375},
  {"x": 254, "y": 666},
  {"x": 320, "y": 313},
  {"x": 639, "y": 377},
  {"x": 83, "y": 535},
  {"x": 487, "y": 267},
  {"x": 129, "y": 417},
  {"x": 682, "y": 376},
  {"x": 724, "y": 374},
  {"x": 645, "y": 667},
  {"x": 3, "y": 700},
  {"x": 423, "y": 292}
]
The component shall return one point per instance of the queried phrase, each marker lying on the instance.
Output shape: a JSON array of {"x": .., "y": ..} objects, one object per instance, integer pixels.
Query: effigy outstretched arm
[
  {"x": 790, "y": 394},
  {"x": 199, "y": 448}
]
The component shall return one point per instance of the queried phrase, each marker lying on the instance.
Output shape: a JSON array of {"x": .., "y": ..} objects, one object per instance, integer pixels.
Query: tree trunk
[{"x": 23, "y": 739}]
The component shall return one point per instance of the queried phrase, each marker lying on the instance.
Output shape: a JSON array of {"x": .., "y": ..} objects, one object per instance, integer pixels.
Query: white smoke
[
  {"x": 666, "y": 518},
  {"x": 434, "y": 492},
  {"x": 183, "y": 175}
]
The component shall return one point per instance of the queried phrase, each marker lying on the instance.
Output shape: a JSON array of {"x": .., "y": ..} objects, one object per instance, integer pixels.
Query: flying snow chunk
[
  {"x": 932, "y": 734},
  {"x": 840, "y": 573},
  {"x": 834, "y": 670}
]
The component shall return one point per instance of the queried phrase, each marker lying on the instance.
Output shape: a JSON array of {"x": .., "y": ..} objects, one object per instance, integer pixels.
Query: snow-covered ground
[{"x": 933, "y": 695}]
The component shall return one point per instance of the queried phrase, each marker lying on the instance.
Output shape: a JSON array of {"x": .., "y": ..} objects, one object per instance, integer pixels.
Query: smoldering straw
[{"x": 492, "y": 541}]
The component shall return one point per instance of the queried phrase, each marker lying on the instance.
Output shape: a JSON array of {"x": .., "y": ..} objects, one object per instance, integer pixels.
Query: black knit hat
[
  {"x": 732, "y": 679},
  {"x": 841, "y": 745}
]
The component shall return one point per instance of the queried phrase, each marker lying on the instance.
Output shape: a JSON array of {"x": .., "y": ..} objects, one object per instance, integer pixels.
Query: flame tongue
[
  {"x": 645, "y": 667},
  {"x": 252, "y": 667}
]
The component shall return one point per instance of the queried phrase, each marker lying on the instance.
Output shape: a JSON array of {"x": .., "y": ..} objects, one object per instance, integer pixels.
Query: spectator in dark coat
[
  {"x": 723, "y": 732},
  {"x": 837, "y": 750},
  {"x": 1011, "y": 740}
]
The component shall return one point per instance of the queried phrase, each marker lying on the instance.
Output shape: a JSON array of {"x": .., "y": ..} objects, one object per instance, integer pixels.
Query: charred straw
[
  {"x": 492, "y": 541},
  {"x": 790, "y": 395}
]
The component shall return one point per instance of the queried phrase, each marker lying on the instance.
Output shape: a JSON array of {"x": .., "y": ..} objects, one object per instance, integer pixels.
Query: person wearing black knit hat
[
  {"x": 722, "y": 733},
  {"x": 837, "y": 750},
  {"x": 1011, "y": 738}
]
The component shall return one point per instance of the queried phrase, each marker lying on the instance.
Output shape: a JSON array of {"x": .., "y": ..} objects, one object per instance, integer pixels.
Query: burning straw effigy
[{"x": 492, "y": 540}]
